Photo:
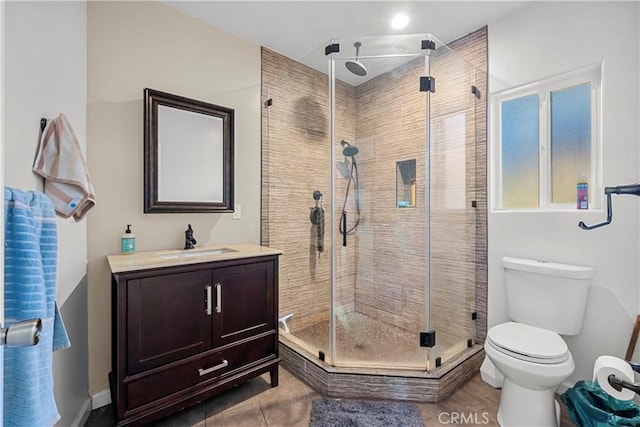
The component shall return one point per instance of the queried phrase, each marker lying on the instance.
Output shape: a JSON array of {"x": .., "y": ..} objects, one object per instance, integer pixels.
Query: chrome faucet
[{"x": 189, "y": 241}]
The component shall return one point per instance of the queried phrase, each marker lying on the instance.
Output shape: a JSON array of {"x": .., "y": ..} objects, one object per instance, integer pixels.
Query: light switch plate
[{"x": 237, "y": 212}]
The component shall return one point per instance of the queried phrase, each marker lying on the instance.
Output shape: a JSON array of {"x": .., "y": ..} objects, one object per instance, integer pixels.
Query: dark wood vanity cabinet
[{"x": 182, "y": 334}]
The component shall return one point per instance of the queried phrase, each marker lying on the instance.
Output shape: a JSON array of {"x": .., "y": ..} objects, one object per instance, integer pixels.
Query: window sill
[{"x": 567, "y": 211}]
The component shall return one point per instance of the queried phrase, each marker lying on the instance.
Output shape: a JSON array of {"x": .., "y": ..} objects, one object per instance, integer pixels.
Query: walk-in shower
[{"x": 397, "y": 295}]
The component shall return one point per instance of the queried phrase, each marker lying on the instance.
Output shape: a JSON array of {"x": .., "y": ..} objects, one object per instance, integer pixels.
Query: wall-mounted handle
[
  {"x": 220, "y": 365},
  {"x": 22, "y": 334},
  {"x": 344, "y": 228},
  {"x": 208, "y": 300},
  {"x": 218, "y": 297}
]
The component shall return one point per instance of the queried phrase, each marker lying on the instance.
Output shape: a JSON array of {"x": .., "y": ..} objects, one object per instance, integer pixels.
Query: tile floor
[{"x": 257, "y": 404}]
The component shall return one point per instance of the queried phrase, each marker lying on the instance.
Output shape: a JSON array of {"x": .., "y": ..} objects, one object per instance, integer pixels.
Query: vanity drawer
[{"x": 180, "y": 376}]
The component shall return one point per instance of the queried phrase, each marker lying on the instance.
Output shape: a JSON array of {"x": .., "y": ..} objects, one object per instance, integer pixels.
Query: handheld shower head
[
  {"x": 357, "y": 67},
  {"x": 348, "y": 150}
]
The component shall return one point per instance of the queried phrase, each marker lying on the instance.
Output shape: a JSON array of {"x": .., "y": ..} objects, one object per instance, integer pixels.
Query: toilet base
[{"x": 524, "y": 407}]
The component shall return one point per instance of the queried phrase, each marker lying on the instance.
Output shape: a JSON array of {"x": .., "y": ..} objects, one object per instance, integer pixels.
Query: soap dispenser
[{"x": 128, "y": 241}]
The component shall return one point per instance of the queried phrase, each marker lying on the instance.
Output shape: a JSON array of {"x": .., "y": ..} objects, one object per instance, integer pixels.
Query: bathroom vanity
[{"x": 187, "y": 325}]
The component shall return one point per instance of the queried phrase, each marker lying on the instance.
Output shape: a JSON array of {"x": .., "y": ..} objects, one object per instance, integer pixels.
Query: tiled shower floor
[{"x": 365, "y": 341}]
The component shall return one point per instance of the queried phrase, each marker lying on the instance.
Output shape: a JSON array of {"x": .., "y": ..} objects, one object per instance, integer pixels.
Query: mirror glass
[{"x": 188, "y": 155}]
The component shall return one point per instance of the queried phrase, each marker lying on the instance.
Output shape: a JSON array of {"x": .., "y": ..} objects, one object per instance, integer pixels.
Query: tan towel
[{"x": 59, "y": 161}]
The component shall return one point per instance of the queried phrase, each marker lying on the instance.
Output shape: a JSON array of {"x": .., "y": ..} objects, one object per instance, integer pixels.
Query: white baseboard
[
  {"x": 83, "y": 414},
  {"x": 100, "y": 399}
]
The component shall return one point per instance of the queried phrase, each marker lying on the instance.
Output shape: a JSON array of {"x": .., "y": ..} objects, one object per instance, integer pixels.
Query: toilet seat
[{"x": 528, "y": 343}]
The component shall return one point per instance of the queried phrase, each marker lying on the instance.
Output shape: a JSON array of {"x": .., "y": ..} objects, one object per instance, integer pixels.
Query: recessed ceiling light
[{"x": 400, "y": 21}]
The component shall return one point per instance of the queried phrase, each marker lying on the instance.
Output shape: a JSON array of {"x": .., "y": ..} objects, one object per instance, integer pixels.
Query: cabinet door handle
[
  {"x": 218, "y": 297},
  {"x": 220, "y": 365},
  {"x": 208, "y": 300}
]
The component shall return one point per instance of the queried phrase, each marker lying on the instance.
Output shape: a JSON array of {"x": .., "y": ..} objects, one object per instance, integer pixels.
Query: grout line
[{"x": 264, "y": 417}]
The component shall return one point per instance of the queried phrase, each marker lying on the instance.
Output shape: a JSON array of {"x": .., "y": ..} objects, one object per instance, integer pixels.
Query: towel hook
[
  {"x": 43, "y": 124},
  {"x": 633, "y": 189}
]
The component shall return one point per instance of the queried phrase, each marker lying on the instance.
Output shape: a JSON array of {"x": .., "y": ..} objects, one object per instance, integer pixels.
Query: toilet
[{"x": 544, "y": 300}]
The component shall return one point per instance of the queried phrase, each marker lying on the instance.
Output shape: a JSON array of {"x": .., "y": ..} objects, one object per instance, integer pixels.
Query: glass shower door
[
  {"x": 296, "y": 152},
  {"x": 454, "y": 205},
  {"x": 378, "y": 206}
]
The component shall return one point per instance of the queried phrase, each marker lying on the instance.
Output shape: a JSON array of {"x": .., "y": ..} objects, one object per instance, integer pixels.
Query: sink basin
[{"x": 196, "y": 253}]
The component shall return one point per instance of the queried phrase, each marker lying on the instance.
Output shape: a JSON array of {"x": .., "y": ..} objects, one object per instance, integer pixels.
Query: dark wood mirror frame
[{"x": 152, "y": 203}]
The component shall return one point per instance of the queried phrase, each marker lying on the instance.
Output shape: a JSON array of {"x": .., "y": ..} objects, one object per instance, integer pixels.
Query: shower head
[
  {"x": 357, "y": 67},
  {"x": 348, "y": 150}
]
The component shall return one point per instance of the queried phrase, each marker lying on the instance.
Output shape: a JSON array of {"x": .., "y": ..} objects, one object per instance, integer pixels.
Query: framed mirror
[{"x": 188, "y": 155}]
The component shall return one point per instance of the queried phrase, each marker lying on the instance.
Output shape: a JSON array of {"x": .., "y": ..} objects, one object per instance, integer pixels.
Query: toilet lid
[{"x": 529, "y": 342}]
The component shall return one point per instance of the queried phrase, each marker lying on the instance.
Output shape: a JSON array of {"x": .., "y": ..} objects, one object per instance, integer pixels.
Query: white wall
[
  {"x": 45, "y": 74},
  {"x": 543, "y": 40}
]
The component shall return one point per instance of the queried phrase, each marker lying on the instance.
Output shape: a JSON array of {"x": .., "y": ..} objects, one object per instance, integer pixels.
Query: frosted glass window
[
  {"x": 570, "y": 141},
  {"x": 520, "y": 170},
  {"x": 548, "y": 145}
]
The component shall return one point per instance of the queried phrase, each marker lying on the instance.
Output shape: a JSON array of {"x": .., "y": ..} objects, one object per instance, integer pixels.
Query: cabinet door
[
  {"x": 244, "y": 301},
  {"x": 167, "y": 318}
]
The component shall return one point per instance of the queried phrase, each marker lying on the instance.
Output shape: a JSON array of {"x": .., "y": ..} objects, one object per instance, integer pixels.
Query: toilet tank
[{"x": 546, "y": 294}]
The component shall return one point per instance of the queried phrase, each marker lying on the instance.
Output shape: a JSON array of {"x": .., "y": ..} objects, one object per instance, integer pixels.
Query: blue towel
[{"x": 30, "y": 263}]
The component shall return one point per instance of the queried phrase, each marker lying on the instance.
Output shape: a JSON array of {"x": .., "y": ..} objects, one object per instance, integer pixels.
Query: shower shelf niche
[{"x": 406, "y": 183}]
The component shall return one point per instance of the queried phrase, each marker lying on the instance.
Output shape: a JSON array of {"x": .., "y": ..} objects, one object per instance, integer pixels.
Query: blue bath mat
[{"x": 359, "y": 413}]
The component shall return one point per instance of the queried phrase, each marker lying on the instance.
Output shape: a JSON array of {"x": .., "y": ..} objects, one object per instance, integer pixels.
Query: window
[{"x": 547, "y": 142}]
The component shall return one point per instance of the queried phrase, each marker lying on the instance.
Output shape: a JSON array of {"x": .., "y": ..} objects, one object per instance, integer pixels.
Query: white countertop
[{"x": 171, "y": 257}]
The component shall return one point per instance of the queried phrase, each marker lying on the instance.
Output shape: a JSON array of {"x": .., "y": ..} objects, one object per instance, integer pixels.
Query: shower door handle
[{"x": 344, "y": 228}]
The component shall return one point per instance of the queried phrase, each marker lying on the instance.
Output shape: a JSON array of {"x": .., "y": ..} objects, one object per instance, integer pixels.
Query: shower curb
[{"x": 374, "y": 383}]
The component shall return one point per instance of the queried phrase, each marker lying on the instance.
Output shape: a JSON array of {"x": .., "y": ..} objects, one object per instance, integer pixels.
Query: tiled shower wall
[
  {"x": 382, "y": 271},
  {"x": 295, "y": 163}
]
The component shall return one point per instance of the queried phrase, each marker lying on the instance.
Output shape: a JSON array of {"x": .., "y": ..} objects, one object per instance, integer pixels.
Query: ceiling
[{"x": 301, "y": 29}]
